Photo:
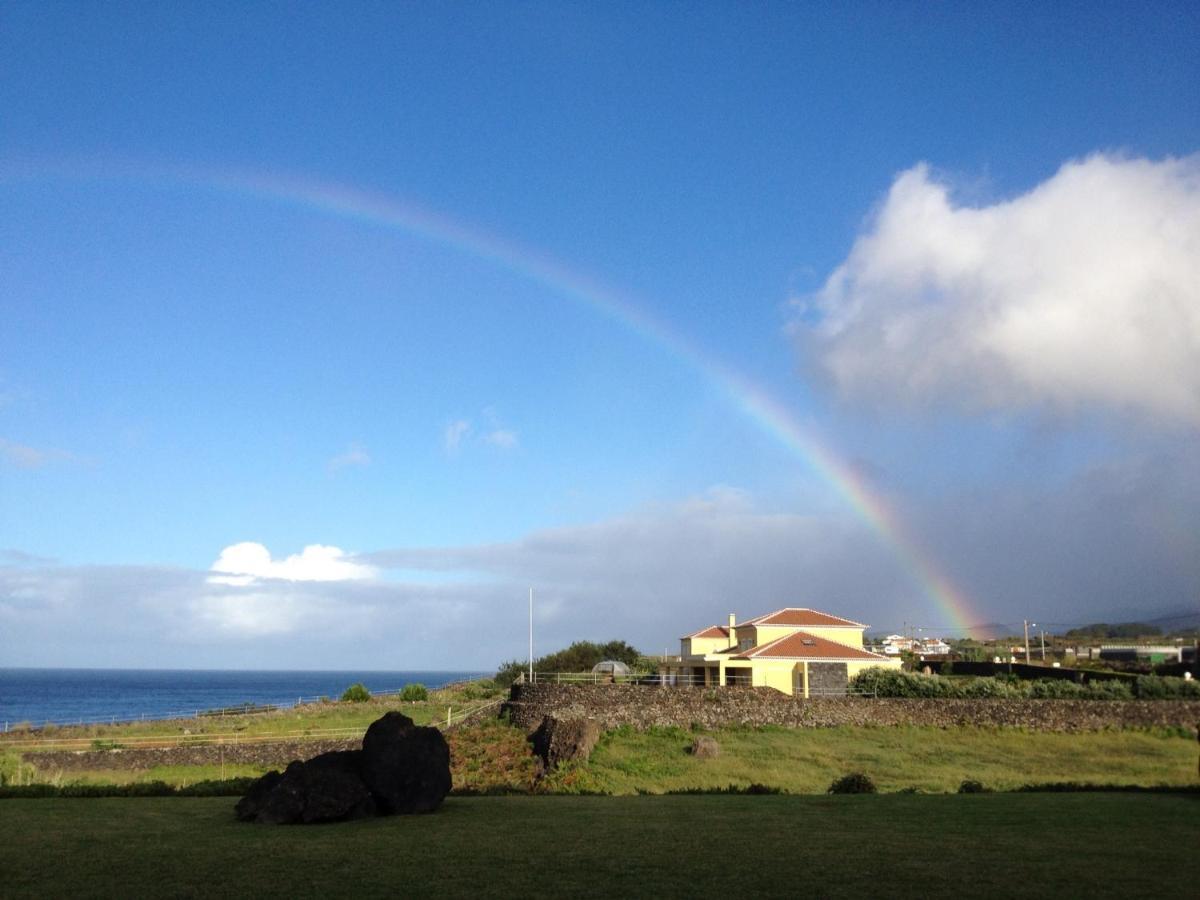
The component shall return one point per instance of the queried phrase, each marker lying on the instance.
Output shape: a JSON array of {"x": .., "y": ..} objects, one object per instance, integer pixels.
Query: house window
[{"x": 745, "y": 643}]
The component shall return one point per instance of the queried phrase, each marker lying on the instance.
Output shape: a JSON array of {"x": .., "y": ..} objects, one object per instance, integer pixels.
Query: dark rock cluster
[
  {"x": 558, "y": 741},
  {"x": 401, "y": 768}
]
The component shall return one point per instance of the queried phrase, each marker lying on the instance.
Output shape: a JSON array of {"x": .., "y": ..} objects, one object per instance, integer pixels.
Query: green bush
[
  {"x": 579, "y": 657},
  {"x": 1155, "y": 687},
  {"x": 356, "y": 693},
  {"x": 854, "y": 783},
  {"x": 1108, "y": 690},
  {"x": 229, "y": 787},
  {"x": 897, "y": 683},
  {"x": 735, "y": 789},
  {"x": 971, "y": 786},
  {"x": 1056, "y": 689},
  {"x": 480, "y": 689},
  {"x": 413, "y": 692}
]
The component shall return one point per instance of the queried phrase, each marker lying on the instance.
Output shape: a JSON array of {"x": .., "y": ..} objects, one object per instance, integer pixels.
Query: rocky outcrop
[
  {"x": 401, "y": 768},
  {"x": 558, "y": 741}
]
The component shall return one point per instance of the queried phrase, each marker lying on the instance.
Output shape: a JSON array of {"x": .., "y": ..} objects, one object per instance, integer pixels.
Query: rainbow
[{"x": 750, "y": 399}]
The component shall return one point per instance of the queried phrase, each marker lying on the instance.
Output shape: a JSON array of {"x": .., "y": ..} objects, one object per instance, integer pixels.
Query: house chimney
[{"x": 732, "y": 630}]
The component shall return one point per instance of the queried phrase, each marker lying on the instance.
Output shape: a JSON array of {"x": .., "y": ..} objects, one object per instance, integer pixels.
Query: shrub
[
  {"x": 1056, "y": 689},
  {"x": 579, "y": 657},
  {"x": 896, "y": 683},
  {"x": 854, "y": 783},
  {"x": 989, "y": 688},
  {"x": 1108, "y": 690},
  {"x": 356, "y": 693},
  {"x": 1154, "y": 687},
  {"x": 971, "y": 786},
  {"x": 413, "y": 692}
]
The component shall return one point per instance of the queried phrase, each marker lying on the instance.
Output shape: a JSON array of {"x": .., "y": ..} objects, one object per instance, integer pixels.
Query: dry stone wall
[
  {"x": 642, "y": 707},
  {"x": 266, "y": 754}
]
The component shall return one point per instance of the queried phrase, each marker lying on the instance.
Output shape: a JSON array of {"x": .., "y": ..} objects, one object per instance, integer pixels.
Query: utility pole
[
  {"x": 1043, "y": 646},
  {"x": 1026, "y": 621},
  {"x": 531, "y": 635}
]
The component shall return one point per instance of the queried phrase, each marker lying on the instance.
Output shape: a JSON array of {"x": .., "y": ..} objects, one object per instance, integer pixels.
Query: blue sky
[{"x": 955, "y": 245}]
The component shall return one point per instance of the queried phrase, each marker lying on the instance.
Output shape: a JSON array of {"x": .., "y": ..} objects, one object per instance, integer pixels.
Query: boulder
[
  {"x": 326, "y": 788},
  {"x": 564, "y": 740},
  {"x": 405, "y": 766},
  {"x": 334, "y": 790},
  {"x": 705, "y": 748},
  {"x": 402, "y": 768},
  {"x": 248, "y": 807}
]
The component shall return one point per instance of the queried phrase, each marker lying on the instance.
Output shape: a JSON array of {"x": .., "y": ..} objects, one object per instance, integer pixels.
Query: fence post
[{"x": 448, "y": 716}]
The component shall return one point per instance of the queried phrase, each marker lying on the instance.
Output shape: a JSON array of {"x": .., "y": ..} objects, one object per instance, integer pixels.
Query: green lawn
[
  {"x": 1028, "y": 845},
  {"x": 806, "y": 760}
]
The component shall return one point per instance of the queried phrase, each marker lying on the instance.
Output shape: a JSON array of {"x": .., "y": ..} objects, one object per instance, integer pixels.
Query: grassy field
[
  {"x": 491, "y": 755},
  {"x": 1031, "y": 845},
  {"x": 806, "y": 760},
  {"x": 309, "y": 720}
]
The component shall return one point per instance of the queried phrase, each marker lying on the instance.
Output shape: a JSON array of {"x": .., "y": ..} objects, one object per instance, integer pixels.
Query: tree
[{"x": 579, "y": 657}]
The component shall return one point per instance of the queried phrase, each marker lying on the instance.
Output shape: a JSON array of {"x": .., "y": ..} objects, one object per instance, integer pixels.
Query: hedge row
[
  {"x": 229, "y": 787},
  {"x": 896, "y": 683}
]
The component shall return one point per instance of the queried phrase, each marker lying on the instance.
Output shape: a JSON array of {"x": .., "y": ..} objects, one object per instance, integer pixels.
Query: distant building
[{"x": 933, "y": 647}]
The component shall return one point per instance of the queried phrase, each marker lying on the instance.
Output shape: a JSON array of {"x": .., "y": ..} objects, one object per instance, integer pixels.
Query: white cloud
[
  {"x": 355, "y": 455},
  {"x": 25, "y": 457},
  {"x": 503, "y": 438},
  {"x": 1085, "y": 291},
  {"x": 493, "y": 433},
  {"x": 455, "y": 432},
  {"x": 248, "y": 562},
  {"x": 1115, "y": 544}
]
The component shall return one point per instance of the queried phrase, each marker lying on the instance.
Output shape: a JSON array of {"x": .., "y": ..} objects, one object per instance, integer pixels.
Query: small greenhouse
[{"x": 611, "y": 669}]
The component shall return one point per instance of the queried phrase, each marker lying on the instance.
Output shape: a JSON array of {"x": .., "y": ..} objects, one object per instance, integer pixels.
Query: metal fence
[{"x": 695, "y": 679}]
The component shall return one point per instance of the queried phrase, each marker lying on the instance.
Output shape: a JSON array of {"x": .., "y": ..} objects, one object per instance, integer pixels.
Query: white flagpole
[{"x": 531, "y": 635}]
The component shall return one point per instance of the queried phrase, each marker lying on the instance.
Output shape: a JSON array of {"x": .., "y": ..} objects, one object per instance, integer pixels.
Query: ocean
[{"x": 72, "y": 696}]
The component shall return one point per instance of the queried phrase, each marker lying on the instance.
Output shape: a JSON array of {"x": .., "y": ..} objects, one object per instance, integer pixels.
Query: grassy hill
[{"x": 806, "y": 760}]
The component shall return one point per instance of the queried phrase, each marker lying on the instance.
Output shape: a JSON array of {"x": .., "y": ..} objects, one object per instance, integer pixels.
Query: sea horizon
[{"x": 53, "y": 695}]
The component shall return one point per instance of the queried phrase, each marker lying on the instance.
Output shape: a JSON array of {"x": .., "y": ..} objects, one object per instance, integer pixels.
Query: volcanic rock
[
  {"x": 405, "y": 766},
  {"x": 564, "y": 740},
  {"x": 402, "y": 768}
]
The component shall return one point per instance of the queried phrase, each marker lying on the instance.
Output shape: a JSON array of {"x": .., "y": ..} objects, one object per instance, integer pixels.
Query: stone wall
[
  {"x": 827, "y": 679},
  {"x": 267, "y": 754},
  {"x": 643, "y": 707}
]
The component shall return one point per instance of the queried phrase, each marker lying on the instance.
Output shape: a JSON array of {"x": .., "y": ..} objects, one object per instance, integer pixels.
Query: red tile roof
[
  {"x": 802, "y": 645},
  {"x": 803, "y": 617},
  {"x": 712, "y": 631}
]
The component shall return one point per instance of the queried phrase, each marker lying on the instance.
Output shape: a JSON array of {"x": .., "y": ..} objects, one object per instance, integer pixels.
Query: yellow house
[{"x": 796, "y": 650}]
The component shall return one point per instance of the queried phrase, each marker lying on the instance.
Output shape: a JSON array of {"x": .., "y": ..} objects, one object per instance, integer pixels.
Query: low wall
[
  {"x": 643, "y": 707},
  {"x": 267, "y": 754}
]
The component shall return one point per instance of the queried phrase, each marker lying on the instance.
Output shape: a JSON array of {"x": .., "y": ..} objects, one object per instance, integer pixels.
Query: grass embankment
[
  {"x": 488, "y": 756},
  {"x": 806, "y": 760},
  {"x": 1037, "y": 845}
]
